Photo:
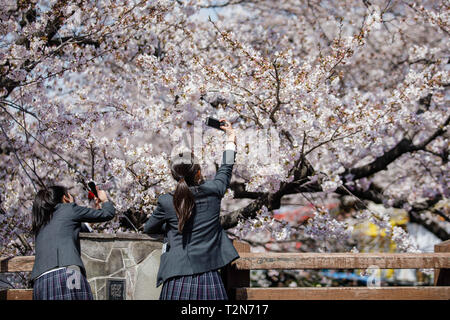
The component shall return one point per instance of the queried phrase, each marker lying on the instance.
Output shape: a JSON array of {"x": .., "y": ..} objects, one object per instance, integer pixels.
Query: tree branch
[{"x": 404, "y": 146}]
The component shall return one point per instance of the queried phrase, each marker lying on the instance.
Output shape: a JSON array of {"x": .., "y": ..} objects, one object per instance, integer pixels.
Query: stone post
[{"x": 119, "y": 262}]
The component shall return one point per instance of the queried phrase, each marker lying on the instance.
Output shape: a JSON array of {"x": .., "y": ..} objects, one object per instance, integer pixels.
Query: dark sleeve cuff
[{"x": 228, "y": 157}]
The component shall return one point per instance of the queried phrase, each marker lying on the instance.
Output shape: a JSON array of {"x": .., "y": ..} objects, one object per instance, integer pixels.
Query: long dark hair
[
  {"x": 184, "y": 168},
  {"x": 44, "y": 205}
]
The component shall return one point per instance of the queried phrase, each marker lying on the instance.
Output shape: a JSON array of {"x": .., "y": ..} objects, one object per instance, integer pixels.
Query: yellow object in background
[{"x": 399, "y": 217}]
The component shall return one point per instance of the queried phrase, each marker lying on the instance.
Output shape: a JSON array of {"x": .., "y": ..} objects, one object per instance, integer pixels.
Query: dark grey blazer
[
  {"x": 204, "y": 245},
  {"x": 57, "y": 243}
]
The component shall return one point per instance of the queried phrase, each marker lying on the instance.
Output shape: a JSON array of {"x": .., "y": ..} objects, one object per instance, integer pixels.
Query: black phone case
[{"x": 214, "y": 123}]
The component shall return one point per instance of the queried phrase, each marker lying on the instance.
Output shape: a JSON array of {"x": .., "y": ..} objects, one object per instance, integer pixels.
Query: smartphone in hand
[
  {"x": 212, "y": 122},
  {"x": 92, "y": 190}
]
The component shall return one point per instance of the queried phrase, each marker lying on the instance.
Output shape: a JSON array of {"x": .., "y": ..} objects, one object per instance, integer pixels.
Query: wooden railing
[
  {"x": 16, "y": 264},
  {"x": 237, "y": 276}
]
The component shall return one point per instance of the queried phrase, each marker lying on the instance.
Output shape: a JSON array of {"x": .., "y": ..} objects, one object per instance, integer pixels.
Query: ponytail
[
  {"x": 184, "y": 202},
  {"x": 44, "y": 205},
  {"x": 184, "y": 168}
]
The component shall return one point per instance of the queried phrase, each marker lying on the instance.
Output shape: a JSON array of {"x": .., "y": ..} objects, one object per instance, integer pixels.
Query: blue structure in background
[{"x": 344, "y": 276}]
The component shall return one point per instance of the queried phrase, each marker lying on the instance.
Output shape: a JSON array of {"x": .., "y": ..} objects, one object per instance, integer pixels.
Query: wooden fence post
[
  {"x": 442, "y": 276},
  {"x": 233, "y": 278}
]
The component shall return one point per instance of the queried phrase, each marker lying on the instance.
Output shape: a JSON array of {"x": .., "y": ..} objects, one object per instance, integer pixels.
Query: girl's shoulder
[
  {"x": 64, "y": 206},
  {"x": 208, "y": 188},
  {"x": 165, "y": 198},
  {"x": 64, "y": 211}
]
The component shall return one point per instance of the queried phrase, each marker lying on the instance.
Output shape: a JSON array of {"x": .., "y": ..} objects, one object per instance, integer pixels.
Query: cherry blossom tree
[{"x": 329, "y": 101}]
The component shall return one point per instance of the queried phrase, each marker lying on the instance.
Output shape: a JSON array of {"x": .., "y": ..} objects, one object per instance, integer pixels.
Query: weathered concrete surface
[{"x": 133, "y": 257}]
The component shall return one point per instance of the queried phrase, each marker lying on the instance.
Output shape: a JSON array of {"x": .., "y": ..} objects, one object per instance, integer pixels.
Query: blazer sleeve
[
  {"x": 222, "y": 179},
  {"x": 85, "y": 214},
  {"x": 156, "y": 221}
]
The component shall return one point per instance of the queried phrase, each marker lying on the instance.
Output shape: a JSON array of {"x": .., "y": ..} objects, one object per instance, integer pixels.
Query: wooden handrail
[
  {"x": 271, "y": 260},
  {"x": 16, "y": 294},
  {"x": 237, "y": 275},
  {"x": 344, "y": 293},
  {"x": 16, "y": 264}
]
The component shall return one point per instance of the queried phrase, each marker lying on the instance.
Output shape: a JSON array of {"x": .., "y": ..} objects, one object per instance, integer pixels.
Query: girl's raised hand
[
  {"x": 228, "y": 130},
  {"x": 102, "y": 196}
]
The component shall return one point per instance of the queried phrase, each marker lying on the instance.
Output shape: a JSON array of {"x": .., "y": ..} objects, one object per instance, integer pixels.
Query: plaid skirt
[
  {"x": 201, "y": 286},
  {"x": 63, "y": 284}
]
